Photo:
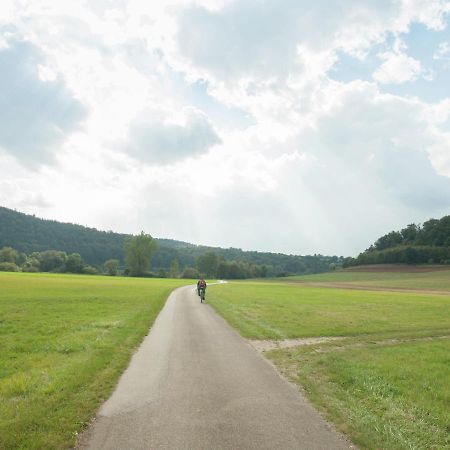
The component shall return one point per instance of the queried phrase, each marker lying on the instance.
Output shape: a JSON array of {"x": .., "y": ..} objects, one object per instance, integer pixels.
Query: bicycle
[{"x": 202, "y": 292}]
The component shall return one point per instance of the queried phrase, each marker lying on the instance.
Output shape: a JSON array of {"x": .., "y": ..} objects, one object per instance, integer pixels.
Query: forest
[
  {"x": 428, "y": 243},
  {"x": 29, "y": 234}
]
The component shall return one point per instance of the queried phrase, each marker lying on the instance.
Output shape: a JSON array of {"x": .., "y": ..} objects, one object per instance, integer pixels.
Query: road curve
[{"x": 196, "y": 384}]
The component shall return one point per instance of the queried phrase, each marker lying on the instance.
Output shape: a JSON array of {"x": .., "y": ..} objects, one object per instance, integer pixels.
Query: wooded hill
[
  {"x": 415, "y": 244},
  {"x": 30, "y": 234}
]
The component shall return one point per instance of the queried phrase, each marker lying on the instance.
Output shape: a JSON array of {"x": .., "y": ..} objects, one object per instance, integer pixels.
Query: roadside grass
[
  {"x": 282, "y": 311},
  {"x": 64, "y": 342},
  {"x": 381, "y": 387},
  {"x": 393, "y": 397},
  {"x": 437, "y": 280}
]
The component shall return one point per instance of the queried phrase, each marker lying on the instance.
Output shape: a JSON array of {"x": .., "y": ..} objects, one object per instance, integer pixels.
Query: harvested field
[
  {"x": 397, "y": 268},
  {"x": 360, "y": 287}
]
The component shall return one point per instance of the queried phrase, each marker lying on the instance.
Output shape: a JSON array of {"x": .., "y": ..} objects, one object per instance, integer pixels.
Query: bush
[
  {"x": 145, "y": 275},
  {"x": 112, "y": 267},
  {"x": 30, "y": 269},
  {"x": 9, "y": 255},
  {"x": 74, "y": 263},
  {"x": 8, "y": 267},
  {"x": 89, "y": 270},
  {"x": 190, "y": 272},
  {"x": 161, "y": 273},
  {"x": 31, "y": 264}
]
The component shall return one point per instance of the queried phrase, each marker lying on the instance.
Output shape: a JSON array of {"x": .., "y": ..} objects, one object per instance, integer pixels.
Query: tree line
[
  {"x": 138, "y": 253},
  {"x": 415, "y": 244},
  {"x": 29, "y": 234}
]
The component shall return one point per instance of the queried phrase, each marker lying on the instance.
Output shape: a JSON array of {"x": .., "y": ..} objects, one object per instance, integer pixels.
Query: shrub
[
  {"x": 111, "y": 266},
  {"x": 31, "y": 264},
  {"x": 8, "y": 267},
  {"x": 9, "y": 255},
  {"x": 161, "y": 273},
  {"x": 30, "y": 269},
  {"x": 89, "y": 270}
]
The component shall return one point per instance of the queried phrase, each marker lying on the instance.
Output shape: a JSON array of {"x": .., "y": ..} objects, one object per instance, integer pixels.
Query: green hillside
[{"x": 29, "y": 234}]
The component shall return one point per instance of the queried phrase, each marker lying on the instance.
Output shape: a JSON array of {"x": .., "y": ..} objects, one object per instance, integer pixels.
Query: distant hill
[
  {"x": 28, "y": 234},
  {"x": 415, "y": 244}
]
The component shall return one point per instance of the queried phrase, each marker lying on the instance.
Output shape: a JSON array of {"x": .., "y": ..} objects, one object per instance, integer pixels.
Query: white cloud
[
  {"x": 320, "y": 166},
  {"x": 443, "y": 52},
  {"x": 36, "y": 116},
  {"x": 154, "y": 141},
  {"x": 397, "y": 68}
]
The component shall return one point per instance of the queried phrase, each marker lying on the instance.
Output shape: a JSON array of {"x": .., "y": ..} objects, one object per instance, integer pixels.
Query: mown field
[
  {"x": 64, "y": 341},
  {"x": 386, "y": 383},
  {"x": 435, "y": 280}
]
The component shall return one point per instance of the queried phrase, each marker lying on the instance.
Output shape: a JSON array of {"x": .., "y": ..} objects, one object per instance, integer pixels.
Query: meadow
[
  {"x": 386, "y": 382},
  {"x": 433, "y": 280},
  {"x": 64, "y": 342}
]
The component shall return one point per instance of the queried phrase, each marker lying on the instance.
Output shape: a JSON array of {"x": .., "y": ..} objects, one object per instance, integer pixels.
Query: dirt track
[{"x": 196, "y": 384}]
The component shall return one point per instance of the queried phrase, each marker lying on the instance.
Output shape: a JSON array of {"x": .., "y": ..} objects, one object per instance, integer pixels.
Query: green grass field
[
  {"x": 64, "y": 341},
  {"x": 279, "y": 311},
  {"x": 386, "y": 384},
  {"x": 388, "y": 397}
]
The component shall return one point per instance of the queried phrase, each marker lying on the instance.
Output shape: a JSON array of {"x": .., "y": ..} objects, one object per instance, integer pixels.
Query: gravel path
[{"x": 196, "y": 384}]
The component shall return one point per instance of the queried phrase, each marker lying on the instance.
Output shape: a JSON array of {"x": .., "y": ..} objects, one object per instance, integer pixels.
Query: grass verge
[
  {"x": 384, "y": 393},
  {"x": 64, "y": 341},
  {"x": 394, "y": 397}
]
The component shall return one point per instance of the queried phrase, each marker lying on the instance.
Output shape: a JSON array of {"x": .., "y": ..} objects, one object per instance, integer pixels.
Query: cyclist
[{"x": 201, "y": 284}]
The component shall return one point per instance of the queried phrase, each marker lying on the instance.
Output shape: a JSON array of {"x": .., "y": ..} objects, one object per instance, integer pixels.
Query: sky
[{"x": 296, "y": 127}]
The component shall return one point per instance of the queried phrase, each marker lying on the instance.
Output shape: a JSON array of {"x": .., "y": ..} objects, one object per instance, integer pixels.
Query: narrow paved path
[{"x": 196, "y": 384}]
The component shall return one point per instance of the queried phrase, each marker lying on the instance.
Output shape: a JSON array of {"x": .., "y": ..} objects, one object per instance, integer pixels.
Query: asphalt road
[{"x": 196, "y": 384}]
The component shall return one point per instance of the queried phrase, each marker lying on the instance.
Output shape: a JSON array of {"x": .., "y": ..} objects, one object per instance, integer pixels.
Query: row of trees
[
  {"x": 210, "y": 265},
  {"x": 47, "y": 261},
  {"x": 415, "y": 244},
  {"x": 405, "y": 254},
  {"x": 434, "y": 232},
  {"x": 138, "y": 252},
  {"x": 29, "y": 234}
]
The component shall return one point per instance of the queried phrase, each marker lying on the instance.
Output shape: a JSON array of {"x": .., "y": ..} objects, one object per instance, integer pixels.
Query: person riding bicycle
[{"x": 201, "y": 284}]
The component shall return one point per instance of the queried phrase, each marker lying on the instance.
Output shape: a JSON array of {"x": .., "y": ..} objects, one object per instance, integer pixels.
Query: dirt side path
[{"x": 196, "y": 384}]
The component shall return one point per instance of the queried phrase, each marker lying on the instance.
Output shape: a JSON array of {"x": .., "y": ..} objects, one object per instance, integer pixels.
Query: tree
[
  {"x": 9, "y": 255},
  {"x": 207, "y": 264},
  {"x": 31, "y": 264},
  {"x": 174, "y": 269},
  {"x": 161, "y": 273},
  {"x": 74, "y": 263},
  {"x": 51, "y": 260},
  {"x": 264, "y": 271},
  {"x": 190, "y": 272},
  {"x": 112, "y": 266},
  {"x": 8, "y": 267},
  {"x": 138, "y": 251},
  {"x": 409, "y": 234}
]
